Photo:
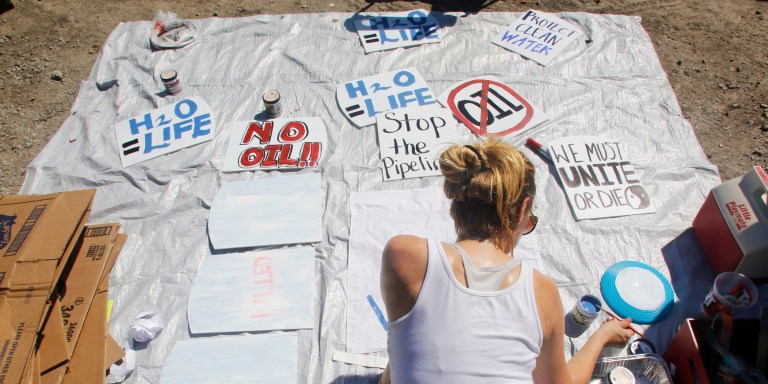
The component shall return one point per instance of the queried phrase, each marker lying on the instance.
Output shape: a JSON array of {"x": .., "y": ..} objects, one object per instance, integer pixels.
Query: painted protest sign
[
  {"x": 488, "y": 107},
  {"x": 411, "y": 140},
  {"x": 598, "y": 178},
  {"x": 397, "y": 30},
  {"x": 360, "y": 100},
  {"x": 275, "y": 144},
  {"x": 164, "y": 130},
  {"x": 538, "y": 36},
  {"x": 286, "y": 209},
  {"x": 253, "y": 291}
]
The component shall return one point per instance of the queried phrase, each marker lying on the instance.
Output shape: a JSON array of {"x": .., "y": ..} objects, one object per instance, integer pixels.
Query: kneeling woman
[{"x": 470, "y": 312}]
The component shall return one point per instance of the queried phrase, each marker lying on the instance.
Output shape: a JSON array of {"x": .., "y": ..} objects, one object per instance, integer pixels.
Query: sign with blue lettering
[
  {"x": 164, "y": 130},
  {"x": 404, "y": 29},
  {"x": 598, "y": 178},
  {"x": 411, "y": 140},
  {"x": 538, "y": 36},
  {"x": 361, "y": 100},
  {"x": 275, "y": 144},
  {"x": 489, "y": 107}
]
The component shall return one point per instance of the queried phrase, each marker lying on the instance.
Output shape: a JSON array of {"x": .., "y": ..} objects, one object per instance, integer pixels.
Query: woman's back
[{"x": 457, "y": 335}]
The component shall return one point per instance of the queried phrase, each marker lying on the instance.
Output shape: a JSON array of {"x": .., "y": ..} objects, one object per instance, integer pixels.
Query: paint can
[
  {"x": 585, "y": 311},
  {"x": 171, "y": 82},
  {"x": 272, "y": 103},
  {"x": 731, "y": 291},
  {"x": 641, "y": 347}
]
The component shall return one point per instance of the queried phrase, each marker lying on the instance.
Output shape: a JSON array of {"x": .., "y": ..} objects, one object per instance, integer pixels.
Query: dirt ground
[{"x": 715, "y": 54}]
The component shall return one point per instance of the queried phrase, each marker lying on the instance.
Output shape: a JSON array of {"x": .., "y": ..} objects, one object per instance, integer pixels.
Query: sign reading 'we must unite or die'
[{"x": 598, "y": 178}]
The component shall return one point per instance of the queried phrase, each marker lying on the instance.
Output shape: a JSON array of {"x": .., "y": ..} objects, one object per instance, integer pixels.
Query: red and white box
[{"x": 732, "y": 225}]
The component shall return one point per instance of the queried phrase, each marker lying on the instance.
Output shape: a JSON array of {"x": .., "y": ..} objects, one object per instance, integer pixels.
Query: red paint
[
  {"x": 263, "y": 132},
  {"x": 485, "y": 86},
  {"x": 263, "y": 279}
]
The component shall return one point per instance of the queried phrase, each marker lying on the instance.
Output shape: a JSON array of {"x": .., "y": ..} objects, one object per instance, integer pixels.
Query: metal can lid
[
  {"x": 621, "y": 375},
  {"x": 641, "y": 346},
  {"x": 169, "y": 75},
  {"x": 271, "y": 96}
]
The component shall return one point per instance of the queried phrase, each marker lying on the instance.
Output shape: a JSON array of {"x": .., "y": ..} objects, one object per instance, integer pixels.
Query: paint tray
[{"x": 648, "y": 369}]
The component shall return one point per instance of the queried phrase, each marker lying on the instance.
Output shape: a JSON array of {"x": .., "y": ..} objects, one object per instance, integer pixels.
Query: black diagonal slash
[
  {"x": 358, "y": 110},
  {"x": 127, "y": 144},
  {"x": 371, "y": 38}
]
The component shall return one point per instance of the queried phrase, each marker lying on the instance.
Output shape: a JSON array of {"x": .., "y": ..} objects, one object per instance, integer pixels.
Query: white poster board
[
  {"x": 276, "y": 210},
  {"x": 411, "y": 140},
  {"x": 164, "y": 130},
  {"x": 275, "y": 144},
  {"x": 403, "y": 29},
  {"x": 488, "y": 107},
  {"x": 376, "y": 217},
  {"x": 598, "y": 178},
  {"x": 244, "y": 359},
  {"x": 538, "y": 36},
  {"x": 360, "y": 100},
  {"x": 253, "y": 291}
]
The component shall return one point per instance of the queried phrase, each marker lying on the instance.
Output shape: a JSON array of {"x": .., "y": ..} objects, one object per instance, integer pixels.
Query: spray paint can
[
  {"x": 585, "y": 311},
  {"x": 171, "y": 82},
  {"x": 272, "y": 104}
]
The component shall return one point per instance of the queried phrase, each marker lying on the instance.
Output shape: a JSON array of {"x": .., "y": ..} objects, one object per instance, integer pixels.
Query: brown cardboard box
[{"x": 35, "y": 233}]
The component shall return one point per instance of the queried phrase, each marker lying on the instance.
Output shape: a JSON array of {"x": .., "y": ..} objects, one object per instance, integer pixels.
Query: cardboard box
[
  {"x": 690, "y": 356},
  {"x": 732, "y": 225},
  {"x": 37, "y": 233}
]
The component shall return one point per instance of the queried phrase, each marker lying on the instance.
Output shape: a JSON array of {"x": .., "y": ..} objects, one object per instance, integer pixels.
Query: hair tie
[{"x": 483, "y": 165}]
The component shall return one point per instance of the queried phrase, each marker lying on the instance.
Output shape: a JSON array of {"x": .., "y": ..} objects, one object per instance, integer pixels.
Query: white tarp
[{"x": 608, "y": 83}]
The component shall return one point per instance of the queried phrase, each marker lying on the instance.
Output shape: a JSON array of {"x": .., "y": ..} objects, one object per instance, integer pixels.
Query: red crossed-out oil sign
[{"x": 489, "y": 108}]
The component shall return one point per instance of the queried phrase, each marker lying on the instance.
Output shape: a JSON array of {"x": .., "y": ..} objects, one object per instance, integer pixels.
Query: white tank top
[{"x": 458, "y": 335}]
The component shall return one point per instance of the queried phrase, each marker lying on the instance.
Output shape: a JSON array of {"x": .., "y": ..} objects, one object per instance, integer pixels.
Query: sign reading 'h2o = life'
[
  {"x": 538, "y": 36},
  {"x": 598, "y": 179},
  {"x": 361, "y": 100},
  {"x": 411, "y": 140},
  {"x": 275, "y": 144},
  {"x": 489, "y": 107},
  {"x": 397, "y": 30},
  {"x": 164, "y": 130}
]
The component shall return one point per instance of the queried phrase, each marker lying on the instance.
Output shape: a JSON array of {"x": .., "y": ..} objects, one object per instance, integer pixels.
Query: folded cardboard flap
[
  {"x": 52, "y": 348},
  {"x": 36, "y": 232}
]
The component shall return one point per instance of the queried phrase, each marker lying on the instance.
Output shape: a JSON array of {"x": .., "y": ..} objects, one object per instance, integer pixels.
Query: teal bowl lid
[{"x": 636, "y": 290}]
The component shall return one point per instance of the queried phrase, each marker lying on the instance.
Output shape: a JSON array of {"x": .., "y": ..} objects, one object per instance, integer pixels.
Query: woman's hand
[{"x": 615, "y": 333}]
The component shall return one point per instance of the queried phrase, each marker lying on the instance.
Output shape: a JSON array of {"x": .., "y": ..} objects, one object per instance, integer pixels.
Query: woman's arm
[{"x": 550, "y": 365}]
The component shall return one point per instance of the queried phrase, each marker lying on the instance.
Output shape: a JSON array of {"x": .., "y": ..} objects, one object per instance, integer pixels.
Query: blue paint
[
  {"x": 591, "y": 304},
  {"x": 378, "y": 312}
]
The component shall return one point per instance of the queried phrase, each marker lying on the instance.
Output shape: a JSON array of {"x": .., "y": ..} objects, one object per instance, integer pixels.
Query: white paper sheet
[
  {"x": 411, "y": 140},
  {"x": 376, "y": 217},
  {"x": 286, "y": 209},
  {"x": 283, "y": 144},
  {"x": 254, "y": 359},
  {"x": 179, "y": 125},
  {"x": 360, "y": 100},
  {"x": 488, "y": 107},
  {"x": 598, "y": 178},
  {"x": 253, "y": 291},
  {"x": 538, "y": 36}
]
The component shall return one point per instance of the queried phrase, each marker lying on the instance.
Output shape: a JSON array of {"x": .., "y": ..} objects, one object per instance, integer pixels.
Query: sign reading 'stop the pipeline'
[{"x": 538, "y": 36}]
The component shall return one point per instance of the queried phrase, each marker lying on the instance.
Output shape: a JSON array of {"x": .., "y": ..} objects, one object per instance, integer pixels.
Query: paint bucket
[
  {"x": 731, "y": 291},
  {"x": 171, "y": 82},
  {"x": 272, "y": 103},
  {"x": 585, "y": 311}
]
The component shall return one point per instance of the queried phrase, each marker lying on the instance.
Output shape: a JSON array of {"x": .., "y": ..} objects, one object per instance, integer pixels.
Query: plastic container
[
  {"x": 732, "y": 225},
  {"x": 731, "y": 291}
]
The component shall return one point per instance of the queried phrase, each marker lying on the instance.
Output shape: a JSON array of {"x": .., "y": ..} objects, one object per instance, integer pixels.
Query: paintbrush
[{"x": 609, "y": 313}]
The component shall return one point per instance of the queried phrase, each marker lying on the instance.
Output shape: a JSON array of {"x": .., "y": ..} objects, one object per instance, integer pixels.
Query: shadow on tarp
[
  {"x": 466, "y": 6},
  {"x": 443, "y": 20},
  {"x": 690, "y": 275},
  {"x": 357, "y": 379}
]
